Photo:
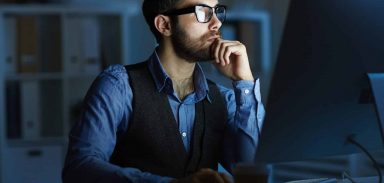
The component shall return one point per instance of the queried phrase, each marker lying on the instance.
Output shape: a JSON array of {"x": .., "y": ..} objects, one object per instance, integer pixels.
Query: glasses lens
[
  {"x": 203, "y": 14},
  {"x": 220, "y": 13}
]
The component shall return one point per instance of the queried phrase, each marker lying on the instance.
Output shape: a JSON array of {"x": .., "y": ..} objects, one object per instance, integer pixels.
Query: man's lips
[{"x": 213, "y": 38}]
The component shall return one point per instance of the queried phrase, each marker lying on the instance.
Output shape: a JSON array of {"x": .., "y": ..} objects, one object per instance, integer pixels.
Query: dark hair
[{"x": 152, "y": 8}]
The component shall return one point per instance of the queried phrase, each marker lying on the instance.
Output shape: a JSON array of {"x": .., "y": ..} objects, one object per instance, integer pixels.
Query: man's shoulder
[
  {"x": 114, "y": 69},
  {"x": 115, "y": 73}
]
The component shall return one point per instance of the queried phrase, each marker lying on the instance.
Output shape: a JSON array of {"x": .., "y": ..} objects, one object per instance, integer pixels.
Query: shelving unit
[{"x": 44, "y": 77}]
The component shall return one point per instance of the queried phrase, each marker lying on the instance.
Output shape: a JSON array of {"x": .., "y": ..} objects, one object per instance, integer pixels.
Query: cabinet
[
  {"x": 33, "y": 163},
  {"x": 49, "y": 56}
]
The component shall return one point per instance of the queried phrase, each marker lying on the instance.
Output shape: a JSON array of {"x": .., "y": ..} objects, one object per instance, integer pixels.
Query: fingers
[
  {"x": 211, "y": 176},
  {"x": 224, "y": 49},
  {"x": 226, "y": 178},
  {"x": 220, "y": 50}
]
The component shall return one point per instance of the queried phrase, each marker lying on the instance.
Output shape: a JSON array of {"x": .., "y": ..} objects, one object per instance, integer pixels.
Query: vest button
[{"x": 184, "y": 134}]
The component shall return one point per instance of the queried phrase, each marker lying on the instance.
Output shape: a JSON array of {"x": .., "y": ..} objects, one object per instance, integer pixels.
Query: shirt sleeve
[
  {"x": 245, "y": 118},
  {"x": 106, "y": 110}
]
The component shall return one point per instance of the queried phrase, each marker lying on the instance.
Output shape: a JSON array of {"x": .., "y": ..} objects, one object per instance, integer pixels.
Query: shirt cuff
[{"x": 244, "y": 91}]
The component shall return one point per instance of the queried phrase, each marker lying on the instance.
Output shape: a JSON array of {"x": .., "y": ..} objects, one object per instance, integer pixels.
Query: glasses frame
[{"x": 192, "y": 9}]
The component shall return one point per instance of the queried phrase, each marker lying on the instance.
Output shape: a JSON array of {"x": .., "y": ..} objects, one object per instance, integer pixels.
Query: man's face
[{"x": 191, "y": 39}]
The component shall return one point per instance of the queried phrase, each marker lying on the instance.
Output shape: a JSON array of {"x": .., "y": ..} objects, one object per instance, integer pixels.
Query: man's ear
[{"x": 163, "y": 25}]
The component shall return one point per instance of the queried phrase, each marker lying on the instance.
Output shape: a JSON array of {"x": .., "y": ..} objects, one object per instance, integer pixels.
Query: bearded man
[{"x": 161, "y": 120}]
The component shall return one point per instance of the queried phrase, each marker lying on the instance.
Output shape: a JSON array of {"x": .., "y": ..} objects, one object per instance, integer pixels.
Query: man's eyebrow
[
  {"x": 201, "y": 4},
  {"x": 207, "y": 4}
]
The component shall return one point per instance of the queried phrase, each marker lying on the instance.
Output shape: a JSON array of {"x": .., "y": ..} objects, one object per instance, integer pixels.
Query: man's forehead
[{"x": 184, "y": 3}]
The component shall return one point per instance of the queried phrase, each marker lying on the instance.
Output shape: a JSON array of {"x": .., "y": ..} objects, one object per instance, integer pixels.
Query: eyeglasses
[{"x": 203, "y": 12}]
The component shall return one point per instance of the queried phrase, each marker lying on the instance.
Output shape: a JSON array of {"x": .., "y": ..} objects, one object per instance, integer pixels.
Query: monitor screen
[{"x": 320, "y": 93}]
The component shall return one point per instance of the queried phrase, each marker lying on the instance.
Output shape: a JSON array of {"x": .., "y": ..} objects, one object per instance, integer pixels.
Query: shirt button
[
  {"x": 246, "y": 91},
  {"x": 184, "y": 134}
]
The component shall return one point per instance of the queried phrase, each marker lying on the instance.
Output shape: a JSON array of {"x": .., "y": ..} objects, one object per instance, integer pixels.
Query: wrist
[{"x": 246, "y": 78}]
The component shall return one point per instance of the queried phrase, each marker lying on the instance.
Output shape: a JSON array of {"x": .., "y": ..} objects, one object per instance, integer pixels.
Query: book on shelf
[
  {"x": 10, "y": 46},
  {"x": 91, "y": 45},
  {"x": 49, "y": 46},
  {"x": 27, "y": 44},
  {"x": 34, "y": 43},
  {"x": 73, "y": 38},
  {"x": 83, "y": 36},
  {"x": 30, "y": 109},
  {"x": 13, "y": 117},
  {"x": 23, "y": 110}
]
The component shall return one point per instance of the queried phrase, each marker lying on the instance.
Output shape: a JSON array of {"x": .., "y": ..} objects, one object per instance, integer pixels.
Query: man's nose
[{"x": 215, "y": 23}]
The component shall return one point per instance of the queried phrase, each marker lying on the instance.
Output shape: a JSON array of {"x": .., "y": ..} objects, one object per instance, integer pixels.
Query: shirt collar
[
  {"x": 157, "y": 71},
  {"x": 164, "y": 82}
]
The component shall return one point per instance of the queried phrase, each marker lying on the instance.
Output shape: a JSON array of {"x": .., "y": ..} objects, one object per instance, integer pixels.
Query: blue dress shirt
[{"x": 107, "y": 110}]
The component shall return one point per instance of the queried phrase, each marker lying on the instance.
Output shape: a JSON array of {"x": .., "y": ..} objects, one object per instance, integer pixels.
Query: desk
[
  {"x": 357, "y": 166},
  {"x": 332, "y": 180}
]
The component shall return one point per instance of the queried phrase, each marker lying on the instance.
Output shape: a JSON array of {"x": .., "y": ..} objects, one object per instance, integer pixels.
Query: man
[{"x": 161, "y": 120}]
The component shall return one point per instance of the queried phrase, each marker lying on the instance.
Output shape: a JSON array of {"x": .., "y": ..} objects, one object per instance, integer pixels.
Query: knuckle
[
  {"x": 223, "y": 45},
  {"x": 228, "y": 48}
]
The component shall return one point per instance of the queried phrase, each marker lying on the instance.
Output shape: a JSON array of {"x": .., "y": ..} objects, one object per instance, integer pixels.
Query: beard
[{"x": 193, "y": 50}]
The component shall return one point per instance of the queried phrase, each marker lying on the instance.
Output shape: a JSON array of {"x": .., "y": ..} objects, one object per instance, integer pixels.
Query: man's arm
[
  {"x": 106, "y": 111},
  {"x": 245, "y": 109},
  {"x": 245, "y": 118}
]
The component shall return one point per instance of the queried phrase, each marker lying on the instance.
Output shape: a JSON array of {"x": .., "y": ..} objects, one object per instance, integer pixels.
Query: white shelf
[
  {"x": 39, "y": 9},
  {"x": 35, "y": 76},
  {"x": 49, "y": 76},
  {"x": 46, "y": 141}
]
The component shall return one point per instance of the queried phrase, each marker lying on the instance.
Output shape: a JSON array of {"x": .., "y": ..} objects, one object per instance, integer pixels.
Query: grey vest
[{"x": 153, "y": 143}]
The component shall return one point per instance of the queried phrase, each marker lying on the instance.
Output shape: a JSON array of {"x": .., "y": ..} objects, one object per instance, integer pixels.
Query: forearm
[
  {"x": 245, "y": 117},
  {"x": 246, "y": 132},
  {"x": 91, "y": 169},
  {"x": 249, "y": 113}
]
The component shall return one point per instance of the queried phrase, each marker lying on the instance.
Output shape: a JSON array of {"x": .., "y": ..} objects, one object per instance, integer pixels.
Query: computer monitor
[{"x": 320, "y": 93}]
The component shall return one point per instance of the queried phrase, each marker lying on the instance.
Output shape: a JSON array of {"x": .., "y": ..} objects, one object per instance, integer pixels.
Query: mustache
[
  {"x": 212, "y": 34},
  {"x": 216, "y": 33}
]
